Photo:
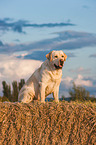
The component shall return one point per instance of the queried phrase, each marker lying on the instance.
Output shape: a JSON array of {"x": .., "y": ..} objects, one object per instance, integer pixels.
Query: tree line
[
  {"x": 79, "y": 93},
  {"x": 76, "y": 93},
  {"x": 11, "y": 93}
]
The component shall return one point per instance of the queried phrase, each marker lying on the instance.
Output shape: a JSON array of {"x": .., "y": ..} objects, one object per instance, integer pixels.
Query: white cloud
[
  {"x": 14, "y": 69},
  {"x": 80, "y": 81},
  {"x": 80, "y": 70},
  {"x": 67, "y": 81},
  {"x": 20, "y": 53}
]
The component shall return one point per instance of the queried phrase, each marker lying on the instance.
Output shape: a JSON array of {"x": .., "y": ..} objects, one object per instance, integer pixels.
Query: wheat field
[{"x": 50, "y": 123}]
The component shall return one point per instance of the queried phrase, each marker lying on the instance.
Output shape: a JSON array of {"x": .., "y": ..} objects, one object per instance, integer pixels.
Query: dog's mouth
[
  {"x": 61, "y": 63},
  {"x": 58, "y": 66}
]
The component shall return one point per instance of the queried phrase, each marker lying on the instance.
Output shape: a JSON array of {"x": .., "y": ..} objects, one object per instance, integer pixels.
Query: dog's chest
[
  {"x": 53, "y": 82},
  {"x": 50, "y": 87}
]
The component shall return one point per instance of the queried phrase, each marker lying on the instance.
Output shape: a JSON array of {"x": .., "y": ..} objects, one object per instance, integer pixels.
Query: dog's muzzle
[{"x": 61, "y": 63}]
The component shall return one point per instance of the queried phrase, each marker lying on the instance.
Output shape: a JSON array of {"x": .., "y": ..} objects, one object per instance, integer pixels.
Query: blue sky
[{"x": 29, "y": 29}]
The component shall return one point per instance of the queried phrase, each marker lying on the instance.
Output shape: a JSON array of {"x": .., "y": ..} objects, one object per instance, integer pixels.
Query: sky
[{"x": 29, "y": 29}]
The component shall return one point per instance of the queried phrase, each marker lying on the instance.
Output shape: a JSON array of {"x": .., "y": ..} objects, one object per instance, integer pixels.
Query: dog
[{"x": 45, "y": 80}]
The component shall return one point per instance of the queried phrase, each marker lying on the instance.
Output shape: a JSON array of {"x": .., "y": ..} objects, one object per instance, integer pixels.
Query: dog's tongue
[{"x": 60, "y": 65}]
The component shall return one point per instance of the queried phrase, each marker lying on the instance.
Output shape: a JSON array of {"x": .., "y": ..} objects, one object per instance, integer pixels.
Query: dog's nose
[{"x": 61, "y": 62}]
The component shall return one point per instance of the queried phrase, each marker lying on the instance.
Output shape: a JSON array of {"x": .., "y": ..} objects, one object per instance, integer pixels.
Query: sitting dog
[{"x": 45, "y": 80}]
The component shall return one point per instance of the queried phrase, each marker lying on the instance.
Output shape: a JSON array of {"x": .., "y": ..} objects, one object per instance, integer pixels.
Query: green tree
[
  {"x": 6, "y": 90},
  {"x": 15, "y": 91},
  {"x": 21, "y": 83},
  {"x": 79, "y": 93},
  {"x": 12, "y": 96},
  {"x": 9, "y": 92}
]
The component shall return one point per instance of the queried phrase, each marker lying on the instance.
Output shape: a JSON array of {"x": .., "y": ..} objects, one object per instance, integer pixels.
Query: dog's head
[{"x": 57, "y": 58}]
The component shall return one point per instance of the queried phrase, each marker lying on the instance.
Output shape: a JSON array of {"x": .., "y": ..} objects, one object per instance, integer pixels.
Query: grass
[{"x": 53, "y": 123}]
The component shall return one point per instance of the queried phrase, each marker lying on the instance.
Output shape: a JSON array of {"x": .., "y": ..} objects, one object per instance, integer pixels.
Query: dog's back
[{"x": 29, "y": 90}]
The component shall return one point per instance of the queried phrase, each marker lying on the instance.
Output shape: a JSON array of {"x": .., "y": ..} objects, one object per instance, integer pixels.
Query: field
[{"x": 50, "y": 123}]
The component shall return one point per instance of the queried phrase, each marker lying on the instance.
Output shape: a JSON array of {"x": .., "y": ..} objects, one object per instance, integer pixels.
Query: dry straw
[{"x": 45, "y": 124}]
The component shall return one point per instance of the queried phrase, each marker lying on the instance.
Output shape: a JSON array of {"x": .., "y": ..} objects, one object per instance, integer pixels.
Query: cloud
[
  {"x": 66, "y": 40},
  {"x": 11, "y": 67},
  {"x": 93, "y": 55},
  {"x": 80, "y": 81},
  {"x": 40, "y": 55},
  {"x": 1, "y": 43},
  {"x": 80, "y": 70},
  {"x": 17, "y": 26},
  {"x": 67, "y": 83},
  {"x": 37, "y": 55},
  {"x": 6, "y": 24},
  {"x": 50, "y": 25},
  {"x": 17, "y": 40},
  {"x": 14, "y": 69},
  {"x": 76, "y": 40}
]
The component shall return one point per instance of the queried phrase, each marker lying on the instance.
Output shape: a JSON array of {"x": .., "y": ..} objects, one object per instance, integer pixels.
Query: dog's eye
[
  {"x": 62, "y": 55},
  {"x": 56, "y": 56}
]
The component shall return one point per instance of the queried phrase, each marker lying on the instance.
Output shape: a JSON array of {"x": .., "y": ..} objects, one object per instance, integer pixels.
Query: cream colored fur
[{"x": 45, "y": 80}]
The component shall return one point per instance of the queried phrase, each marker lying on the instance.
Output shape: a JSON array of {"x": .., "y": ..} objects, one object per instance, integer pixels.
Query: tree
[
  {"x": 6, "y": 90},
  {"x": 21, "y": 83},
  {"x": 12, "y": 95},
  {"x": 9, "y": 92},
  {"x": 15, "y": 91},
  {"x": 79, "y": 93}
]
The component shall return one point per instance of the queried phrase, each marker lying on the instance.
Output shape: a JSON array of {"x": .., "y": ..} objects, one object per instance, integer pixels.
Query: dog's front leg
[
  {"x": 55, "y": 94},
  {"x": 42, "y": 92}
]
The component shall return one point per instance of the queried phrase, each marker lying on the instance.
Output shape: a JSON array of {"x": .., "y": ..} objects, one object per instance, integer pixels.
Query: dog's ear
[
  {"x": 49, "y": 56},
  {"x": 65, "y": 57}
]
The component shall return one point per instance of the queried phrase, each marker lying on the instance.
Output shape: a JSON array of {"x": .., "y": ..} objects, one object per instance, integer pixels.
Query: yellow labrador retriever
[{"x": 45, "y": 80}]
